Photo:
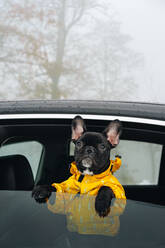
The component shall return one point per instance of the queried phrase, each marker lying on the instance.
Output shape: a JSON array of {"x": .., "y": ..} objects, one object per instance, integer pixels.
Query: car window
[
  {"x": 52, "y": 227},
  {"x": 32, "y": 150},
  {"x": 140, "y": 162},
  {"x": 71, "y": 149}
]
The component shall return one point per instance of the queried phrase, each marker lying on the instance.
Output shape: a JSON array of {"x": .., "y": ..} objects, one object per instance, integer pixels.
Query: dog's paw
[
  {"x": 103, "y": 201},
  {"x": 41, "y": 193}
]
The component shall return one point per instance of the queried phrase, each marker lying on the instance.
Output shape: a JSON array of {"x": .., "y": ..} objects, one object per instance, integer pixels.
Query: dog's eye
[
  {"x": 79, "y": 144},
  {"x": 102, "y": 146}
]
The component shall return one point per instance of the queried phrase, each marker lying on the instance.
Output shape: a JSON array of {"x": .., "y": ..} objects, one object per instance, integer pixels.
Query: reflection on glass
[{"x": 81, "y": 215}]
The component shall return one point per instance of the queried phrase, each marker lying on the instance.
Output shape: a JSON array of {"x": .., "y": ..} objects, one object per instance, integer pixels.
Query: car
[{"x": 36, "y": 148}]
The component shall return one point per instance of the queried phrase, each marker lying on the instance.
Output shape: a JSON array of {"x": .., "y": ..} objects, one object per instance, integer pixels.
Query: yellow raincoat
[
  {"x": 91, "y": 184},
  {"x": 80, "y": 211}
]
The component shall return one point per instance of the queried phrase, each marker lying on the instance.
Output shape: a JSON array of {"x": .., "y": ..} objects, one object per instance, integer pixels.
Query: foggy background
[{"x": 69, "y": 49}]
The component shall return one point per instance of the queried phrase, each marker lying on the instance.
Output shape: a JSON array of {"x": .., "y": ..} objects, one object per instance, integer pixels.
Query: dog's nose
[{"x": 89, "y": 150}]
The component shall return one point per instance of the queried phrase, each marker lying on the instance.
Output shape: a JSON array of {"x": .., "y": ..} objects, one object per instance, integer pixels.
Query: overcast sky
[{"x": 144, "y": 20}]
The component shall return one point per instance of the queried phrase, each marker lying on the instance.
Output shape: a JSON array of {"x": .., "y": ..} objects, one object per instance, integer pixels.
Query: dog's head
[{"x": 92, "y": 150}]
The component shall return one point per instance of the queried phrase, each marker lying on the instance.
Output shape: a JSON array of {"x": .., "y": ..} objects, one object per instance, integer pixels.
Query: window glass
[
  {"x": 31, "y": 150},
  {"x": 140, "y": 162},
  {"x": 71, "y": 149}
]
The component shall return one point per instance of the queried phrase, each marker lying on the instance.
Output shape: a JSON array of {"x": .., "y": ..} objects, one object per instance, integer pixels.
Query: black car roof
[{"x": 129, "y": 109}]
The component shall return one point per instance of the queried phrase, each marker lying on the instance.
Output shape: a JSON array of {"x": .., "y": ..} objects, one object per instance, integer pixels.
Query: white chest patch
[{"x": 87, "y": 172}]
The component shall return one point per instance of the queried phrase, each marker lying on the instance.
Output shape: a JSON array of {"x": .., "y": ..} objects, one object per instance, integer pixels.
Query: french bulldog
[
  {"x": 91, "y": 171},
  {"x": 92, "y": 155}
]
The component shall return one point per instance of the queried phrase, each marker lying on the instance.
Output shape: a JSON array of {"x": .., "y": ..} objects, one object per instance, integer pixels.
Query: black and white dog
[{"x": 92, "y": 168}]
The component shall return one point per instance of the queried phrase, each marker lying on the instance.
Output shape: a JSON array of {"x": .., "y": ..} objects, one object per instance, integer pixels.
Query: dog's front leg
[
  {"x": 41, "y": 193},
  {"x": 103, "y": 201}
]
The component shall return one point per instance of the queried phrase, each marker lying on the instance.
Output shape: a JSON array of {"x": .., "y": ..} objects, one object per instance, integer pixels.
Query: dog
[{"x": 91, "y": 171}]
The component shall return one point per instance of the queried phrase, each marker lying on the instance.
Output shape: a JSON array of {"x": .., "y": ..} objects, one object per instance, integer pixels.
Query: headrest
[{"x": 15, "y": 173}]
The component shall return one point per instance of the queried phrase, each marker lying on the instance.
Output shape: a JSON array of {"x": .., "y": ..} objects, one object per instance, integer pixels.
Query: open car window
[{"x": 140, "y": 162}]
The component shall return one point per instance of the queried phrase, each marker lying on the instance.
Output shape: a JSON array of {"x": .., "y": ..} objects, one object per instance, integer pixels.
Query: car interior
[{"x": 35, "y": 152}]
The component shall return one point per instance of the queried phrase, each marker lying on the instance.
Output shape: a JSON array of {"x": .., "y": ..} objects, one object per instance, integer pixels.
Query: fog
[
  {"x": 144, "y": 21},
  {"x": 96, "y": 50}
]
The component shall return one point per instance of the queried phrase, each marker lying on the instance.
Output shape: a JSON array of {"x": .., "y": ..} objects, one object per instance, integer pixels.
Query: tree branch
[{"x": 75, "y": 19}]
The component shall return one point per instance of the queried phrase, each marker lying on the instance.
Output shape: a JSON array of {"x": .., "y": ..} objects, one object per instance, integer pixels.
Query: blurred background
[{"x": 95, "y": 50}]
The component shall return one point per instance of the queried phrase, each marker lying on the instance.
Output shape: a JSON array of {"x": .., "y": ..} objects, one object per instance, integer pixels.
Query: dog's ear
[
  {"x": 78, "y": 127},
  {"x": 113, "y": 132}
]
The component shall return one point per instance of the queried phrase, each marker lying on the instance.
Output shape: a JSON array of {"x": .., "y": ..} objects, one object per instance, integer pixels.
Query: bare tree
[
  {"x": 115, "y": 62},
  {"x": 40, "y": 34},
  {"x": 58, "y": 49}
]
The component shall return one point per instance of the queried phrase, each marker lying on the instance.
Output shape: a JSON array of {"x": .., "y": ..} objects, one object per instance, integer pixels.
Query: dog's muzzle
[{"x": 87, "y": 163}]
